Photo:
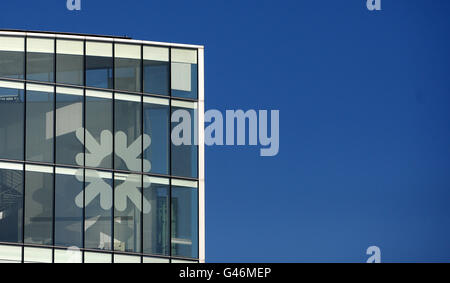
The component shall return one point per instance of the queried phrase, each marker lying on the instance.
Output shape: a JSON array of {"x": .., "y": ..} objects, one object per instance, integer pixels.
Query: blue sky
[{"x": 364, "y": 118}]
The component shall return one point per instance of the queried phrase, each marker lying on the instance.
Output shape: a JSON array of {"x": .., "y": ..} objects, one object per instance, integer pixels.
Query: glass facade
[{"x": 88, "y": 172}]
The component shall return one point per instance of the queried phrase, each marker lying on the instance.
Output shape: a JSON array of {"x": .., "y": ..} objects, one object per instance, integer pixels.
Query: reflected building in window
[{"x": 88, "y": 172}]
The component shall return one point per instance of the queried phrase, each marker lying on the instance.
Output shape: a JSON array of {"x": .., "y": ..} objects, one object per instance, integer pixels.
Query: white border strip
[
  {"x": 184, "y": 183},
  {"x": 69, "y": 90},
  {"x": 128, "y": 97},
  {"x": 154, "y": 100},
  {"x": 99, "y": 94},
  {"x": 39, "y": 169},
  {"x": 11, "y": 166},
  {"x": 13, "y": 85},
  {"x": 40, "y": 88},
  {"x": 157, "y": 180},
  {"x": 201, "y": 155},
  {"x": 184, "y": 104}
]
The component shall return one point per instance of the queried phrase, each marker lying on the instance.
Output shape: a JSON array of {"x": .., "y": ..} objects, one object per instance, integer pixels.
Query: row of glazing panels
[
  {"x": 46, "y": 124},
  {"x": 124, "y": 67},
  {"x": 90, "y": 209}
]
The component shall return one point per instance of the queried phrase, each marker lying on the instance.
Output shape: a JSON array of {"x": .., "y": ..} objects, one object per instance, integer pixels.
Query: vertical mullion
[
  {"x": 24, "y": 144},
  {"x": 83, "y": 241},
  {"x": 113, "y": 150},
  {"x": 54, "y": 149},
  {"x": 142, "y": 157},
  {"x": 198, "y": 159},
  {"x": 170, "y": 154}
]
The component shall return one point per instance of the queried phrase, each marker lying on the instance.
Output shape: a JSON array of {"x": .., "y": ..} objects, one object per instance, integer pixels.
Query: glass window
[
  {"x": 68, "y": 207},
  {"x": 156, "y": 70},
  {"x": 98, "y": 217},
  {"x": 184, "y": 219},
  {"x": 39, "y": 128},
  {"x": 10, "y": 254},
  {"x": 184, "y": 73},
  {"x": 99, "y": 65},
  {"x": 70, "y": 62},
  {"x": 127, "y": 212},
  {"x": 156, "y": 221},
  {"x": 11, "y": 120},
  {"x": 38, "y": 205},
  {"x": 69, "y": 126},
  {"x": 184, "y": 139},
  {"x": 71, "y": 255},
  {"x": 12, "y": 57},
  {"x": 90, "y": 257},
  {"x": 126, "y": 259},
  {"x": 11, "y": 202},
  {"x": 155, "y": 260},
  {"x": 40, "y": 59},
  {"x": 156, "y": 126},
  {"x": 127, "y": 67},
  {"x": 128, "y": 144},
  {"x": 37, "y": 255},
  {"x": 99, "y": 128}
]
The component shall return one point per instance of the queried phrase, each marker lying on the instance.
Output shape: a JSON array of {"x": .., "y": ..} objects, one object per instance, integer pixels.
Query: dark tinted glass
[
  {"x": 128, "y": 74},
  {"x": 69, "y": 69},
  {"x": 11, "y": 123},
  {"x": 99, "y": 72},
  {"x": 156, "y": 77},
  {"x": 11, "y": 205}
]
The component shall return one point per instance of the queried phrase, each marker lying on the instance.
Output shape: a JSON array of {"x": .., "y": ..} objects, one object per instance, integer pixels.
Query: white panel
[
  {"x": 70, "y": 47},
  {"x": 38, "y": 255},
  {"x": 126, "y": 259},
  {"x": 99, "y": 49},
  {"x": 68, "y": 256},
  {"x": 127, "y": 97},
  {"x": 69, "y": 120},
  {"x": 69, "y": 90},
  {"x": 155, "y": 260},
  {"x": 154, "y": 100},
  {"x": 99, "y": 94},
  {"x": 128, "y": 51},
  {"x": 181, "y": 76},
  {"x": 39, "y": 168},
  {"x": 101, "y": 174},
  {"x": 41, "y": 45},
  {"x": 11, "y": 166},
  {"x": 13, "y": 85},
  {"x": 156, "y": 53},
  {"x": 41, "y": 88},
  {"x": 201, "y": 156},
  {"x": 8, "y": 43},
  {"x": 184, "y": 56},
  {"x": 66, "y": 171},
  {"x": 184, "y": 104},
  {"x": 120, "y": 176},
  {"x": 90, "y": 257},
  {"x": 184, "y": 183},
  {"x": 10, "y": 253},
  {"x": 157, "y": 180},
  {"x": 183, "y": 261}
]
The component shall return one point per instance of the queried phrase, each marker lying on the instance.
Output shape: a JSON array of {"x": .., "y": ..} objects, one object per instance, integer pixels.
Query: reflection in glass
[
  {"x": 127, "y": 213},
  {"x": 99, "y": 65},
  {"x": 69, "y": 62},
  {"x": 68, "y": 215},
  {"x": 184, "y": 73},
  {"x": 156, "y": 222},
  {"x": 98, "y": 217},
  {"x": 185, "y": 157},
  {"x": 184, "y": 222},
  {"x": 99, "y": 119},
  {"x": 11, "y": 203},
  {"x": 11, "y": 123},
  {"x": 156, "y": 70},
  {"x": 69, "y": 119},
  {"x": 39, "y": 206},
  {"x": 40, "y": 59},
  {"x": 128, "y": 131},
  {"x": 127, "y": 67},
  {"x": 39, "y": 128},
  {"x": 12, "y": 57},
  {"x": 156, "y": 125}
]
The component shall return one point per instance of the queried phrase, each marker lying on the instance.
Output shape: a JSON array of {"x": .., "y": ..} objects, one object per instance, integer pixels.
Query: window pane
[
  {"x": 184, "y": 153},
  {"x": 126, "y": 259},
  {"x": 184, "y": 73},
  {"x": 184, "y": 221},
  {"x": 11, "y": 121},
  {"x": 39, "y": 129},
  {"x": 99, "y": 123},
  {"x": 98, "y": 218},
  {"x": 68, "y": 207},
  {"x": 156, "y": 221},
  {"x": 90, "y": 257},
  {"x": 10, "y": 254},
  {"x": 127, "y": 213},
  {"x": 128, "y": 67},
  {"x": 156, "y": 126},
  {"x": 12, "y": 57},
  {"x": 11, "y": 203},
  {"x": 156, "y": 70},
  {"x": 99, "y": 65},
  {"x": 71, "y": 255},
  {"x": 70, "y": 62},
  {"x": 40, "y": 59},
  {"x": 38, "y": 205},
  {"x": 69, "y": 119},
  {"x": 128, "y": 145},
  {"x": 37, "y": 255}
]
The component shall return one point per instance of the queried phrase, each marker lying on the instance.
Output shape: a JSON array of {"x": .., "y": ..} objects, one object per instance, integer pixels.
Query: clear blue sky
[{"x": 364, "y": 99}]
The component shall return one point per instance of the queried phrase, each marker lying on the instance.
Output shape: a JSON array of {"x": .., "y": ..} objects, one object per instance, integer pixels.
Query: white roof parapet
[{"x": 97, "y": 38}]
